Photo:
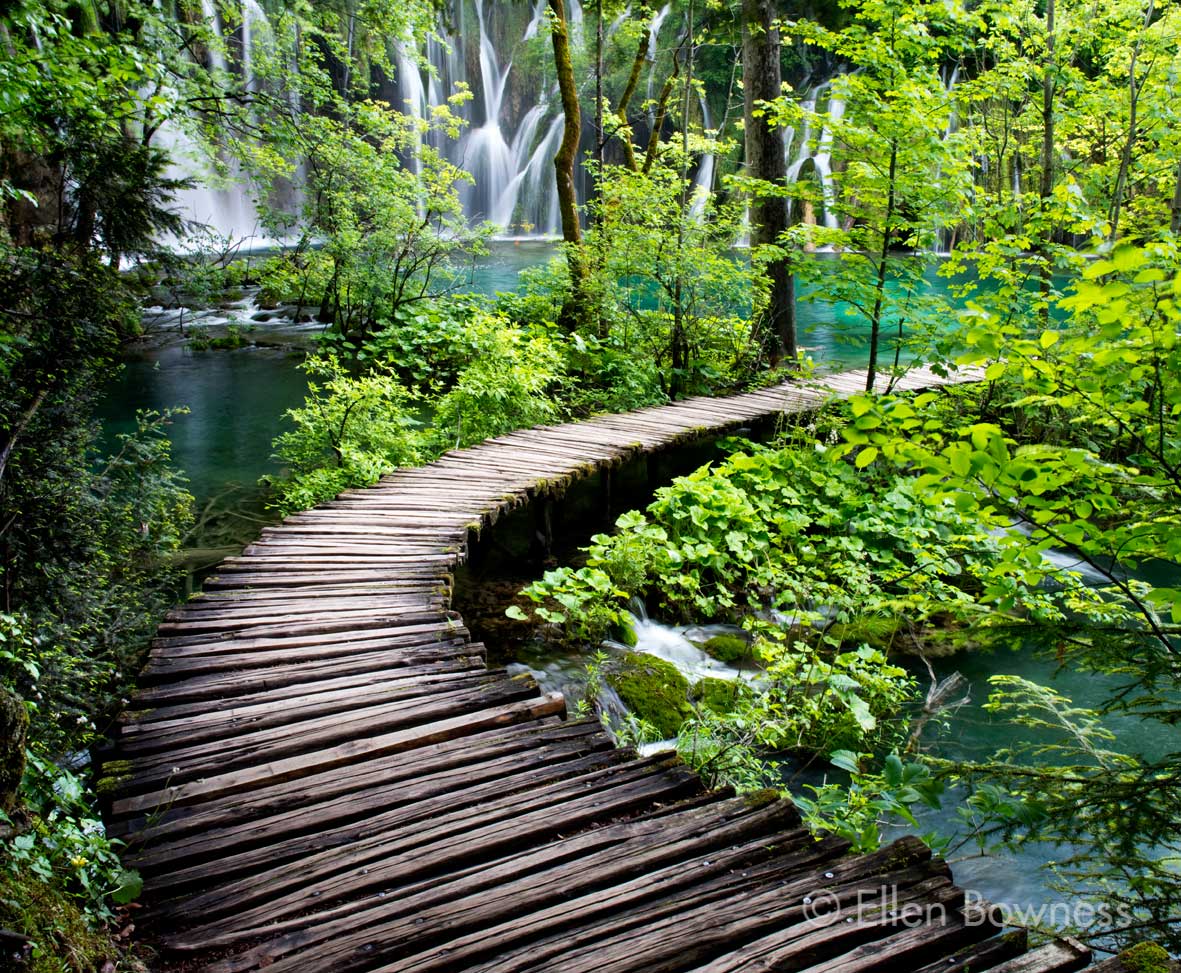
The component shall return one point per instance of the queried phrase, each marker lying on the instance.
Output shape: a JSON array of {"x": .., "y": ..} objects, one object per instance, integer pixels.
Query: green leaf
[
  {"x": 866, "y": 456},
  {"x": 845, "y": 760}
]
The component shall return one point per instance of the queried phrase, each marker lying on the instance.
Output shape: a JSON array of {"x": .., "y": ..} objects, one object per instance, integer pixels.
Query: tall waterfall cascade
[{"x": 514, "y": 120}]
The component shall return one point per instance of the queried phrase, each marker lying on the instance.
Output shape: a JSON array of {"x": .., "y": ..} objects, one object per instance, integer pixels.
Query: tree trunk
[
  {"x": 629, "y": 90},
  {"x": 1125, "y": 161},
  {"x": 661, "y": 113},
  {"x": 14, "y": 725},
  {"x": 762, "y": 81},
  {"x": 875, "y": 321},
  {"x": 1175, "y": 223},
  {"x": 564, "y": 162}
]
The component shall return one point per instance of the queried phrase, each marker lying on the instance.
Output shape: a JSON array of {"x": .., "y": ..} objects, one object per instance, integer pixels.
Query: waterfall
[
  {"x": 704, "y": 180},
  {"x": 217, "y": 59},
  {"x": 798, "y": 149},
  {"x": 253, "y": 16}
]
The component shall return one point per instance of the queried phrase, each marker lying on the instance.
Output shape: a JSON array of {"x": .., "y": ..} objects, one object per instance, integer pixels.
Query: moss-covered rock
[
  {"x": 726, "y": 648},
  {"x": 60, "y": 936},
  {"x": 878, "y": 631},
  {"x": 653, "y": 689},
  {"x": 719, "y": 695},
  {"x": 1147, "y": 958},
  {"x": 14, "y": 727}
]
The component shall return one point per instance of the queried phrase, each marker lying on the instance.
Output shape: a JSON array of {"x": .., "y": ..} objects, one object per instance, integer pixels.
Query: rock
[
  {"x": 719, "y": 695},
  {"x": 14, "y": 728},
  {"x": 727, "y": 648},
  {"x": 653, "y": 689}
]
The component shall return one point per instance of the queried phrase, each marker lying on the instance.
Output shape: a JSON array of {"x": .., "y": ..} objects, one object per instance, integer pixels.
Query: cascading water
[{"x": 508, "y": 147}]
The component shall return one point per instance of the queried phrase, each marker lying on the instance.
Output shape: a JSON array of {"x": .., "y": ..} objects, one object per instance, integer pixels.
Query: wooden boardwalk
[{"x": 320, "y": 773}]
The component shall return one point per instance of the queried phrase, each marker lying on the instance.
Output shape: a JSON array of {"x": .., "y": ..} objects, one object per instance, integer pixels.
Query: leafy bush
[
  {"x": 507, "y": 384},
  {"x": 351, "y": 431}
]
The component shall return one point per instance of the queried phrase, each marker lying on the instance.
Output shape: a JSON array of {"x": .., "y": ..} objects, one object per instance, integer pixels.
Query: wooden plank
[
  {"x": 398, "y": 816},
  {"x": 1061, "y": 956},
  {"x": 219, "y": 686},
  {"x": 444, "y": 757},
  {"x": 353, "y": 751},
  {"x": 602, "y": 857},
  {"x": 376, "y": 863},
  {"x": 249, "y": 748}
]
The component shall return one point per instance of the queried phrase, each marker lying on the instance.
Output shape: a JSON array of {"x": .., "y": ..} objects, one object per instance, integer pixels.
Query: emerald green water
[{"x": 237, "y": 397}]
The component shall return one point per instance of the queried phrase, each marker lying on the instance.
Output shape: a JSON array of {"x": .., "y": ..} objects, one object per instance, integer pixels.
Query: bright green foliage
[
  {"x": 351, "y": 431},
  {"x": 855, "y": 812},
  {"x": 1078, "y": 440},
  {"x": 788, "y": 529},
  {"x": 507, "y": 384},
  {"x": 672, "y": 289},
  {"x": 388, "y": 232}
]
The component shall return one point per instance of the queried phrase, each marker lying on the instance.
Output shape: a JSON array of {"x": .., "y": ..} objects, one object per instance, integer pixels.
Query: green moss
[
  {"x": 875, "y": 630},
  {"x": 727, "y": 648},
  {"x": 719, "y": 695},
  {"x": 1146, "y": 958},
  {"x": 63, "y": 942},
  {"x": 625, "y": 632},
  {"x": 761, "y": 798},
  {"x": 652, "y": 689},
  {"x": 14, "y": 726},
  {"x": 105, "y": 786}
]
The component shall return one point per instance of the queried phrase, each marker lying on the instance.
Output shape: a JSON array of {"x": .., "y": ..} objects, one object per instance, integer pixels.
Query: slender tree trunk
[
  {"x": 661, "y": 113},
  {"x": 875, "y": 321},
  {"x": 564, "y": 162},
  {"x": 679, "y": 351},
  {"x": 1047, "y": 181},
  {"x": 17, "y": 430},
  {"x": 629, "y": 90},
  {"x": 1125, "y": 162},
  {"x": 600, "y": 136},
  {"x": 1175, "y": 223},
  {"x": 762, "y": 82}
]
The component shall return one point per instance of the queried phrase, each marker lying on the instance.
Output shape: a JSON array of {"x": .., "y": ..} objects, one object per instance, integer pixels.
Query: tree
[
  {"x": 1074, "y": 443},
  {"x": 574, "y": 309},
  {"x": 765, "y": 163},
  {"x": 903, "y": 173}
]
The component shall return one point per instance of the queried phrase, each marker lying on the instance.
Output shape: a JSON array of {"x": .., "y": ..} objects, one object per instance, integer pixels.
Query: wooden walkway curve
[{"x": 320, "y": 773}]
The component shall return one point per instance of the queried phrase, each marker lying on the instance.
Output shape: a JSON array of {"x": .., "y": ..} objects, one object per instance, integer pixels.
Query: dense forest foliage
[{"x": 1025, "y": 153}]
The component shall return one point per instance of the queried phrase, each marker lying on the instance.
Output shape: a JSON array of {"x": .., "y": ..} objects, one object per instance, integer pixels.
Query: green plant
[
  {"x": 506, "y": 384},
  {"x": 858, "y": 810},
  {"x": 350, "y": 431},
  {"x": 66, "y": 846}
]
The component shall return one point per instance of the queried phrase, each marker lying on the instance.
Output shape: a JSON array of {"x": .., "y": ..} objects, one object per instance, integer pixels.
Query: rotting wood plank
[
  {"x": 514, "y": 769},
  {"x": 374, "y": 863},
  {"x": 381, "y": 815},
  {"x": 1061, "y": 956},
  {"x": 442, "y": 758},
  {"x": 353, "y": 751},
  {"x": 603, "y": 857},
  {"x": 253, "y": 747}
]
